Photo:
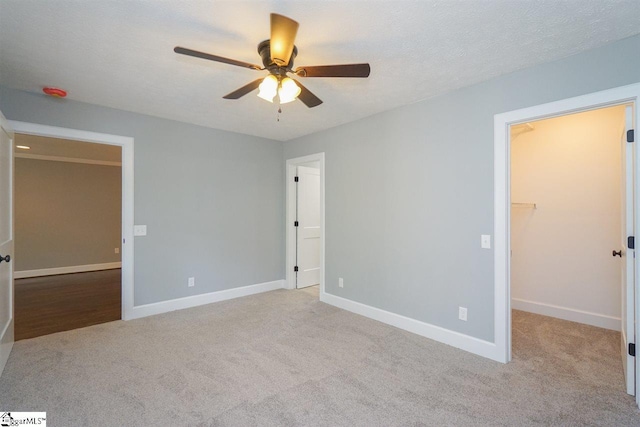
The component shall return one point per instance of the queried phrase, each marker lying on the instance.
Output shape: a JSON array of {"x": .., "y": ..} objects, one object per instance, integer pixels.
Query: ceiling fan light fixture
[
  {"x": 288, "y": 91},
  {"x": 268, "y": 88},
  {"x": 277, "y": 54}
]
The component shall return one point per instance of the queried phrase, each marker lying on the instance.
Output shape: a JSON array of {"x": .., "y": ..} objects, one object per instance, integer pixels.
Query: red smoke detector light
[{"x": 54, "y": 91}]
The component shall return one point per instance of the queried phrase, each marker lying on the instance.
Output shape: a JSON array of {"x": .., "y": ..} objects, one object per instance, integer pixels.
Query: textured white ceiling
[{"x": 120, "y": 53}]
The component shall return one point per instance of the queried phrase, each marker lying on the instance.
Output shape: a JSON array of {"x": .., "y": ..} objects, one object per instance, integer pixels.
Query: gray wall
[
  {"x": 66, "y": 214},
  {"x": 410, "y": 191},
  {"x": 213, "y": 201}
]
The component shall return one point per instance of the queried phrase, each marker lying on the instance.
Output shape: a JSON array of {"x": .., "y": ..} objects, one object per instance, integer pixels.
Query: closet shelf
[{"x": 524, "y": 205}]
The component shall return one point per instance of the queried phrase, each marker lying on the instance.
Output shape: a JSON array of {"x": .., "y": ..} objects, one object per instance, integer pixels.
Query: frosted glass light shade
[
  {"x": 288, "y": 91},
  {"x": 268, "y": 88}
]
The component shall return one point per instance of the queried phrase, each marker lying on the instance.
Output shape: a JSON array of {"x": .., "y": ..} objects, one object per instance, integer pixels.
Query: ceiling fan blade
[
  {"x": 190, "y": 52},
  {"x": 244, "y": 90},
  {"x": 346, "y": 70},
  {"x": 307, "y": 97},
  {"x": 283, "y": 36}
]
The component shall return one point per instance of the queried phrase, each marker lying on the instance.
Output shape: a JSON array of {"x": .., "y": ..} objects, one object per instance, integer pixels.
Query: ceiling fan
[{"x": 277, "y": 55}]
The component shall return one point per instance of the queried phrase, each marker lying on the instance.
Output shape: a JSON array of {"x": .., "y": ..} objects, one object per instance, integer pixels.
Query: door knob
[
  {"x": 619, "y": 253},
  {"x": 5, "y": 259}
]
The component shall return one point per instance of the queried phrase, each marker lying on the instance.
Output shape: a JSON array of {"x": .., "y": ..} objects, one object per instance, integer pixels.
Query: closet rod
[{"x": 524, "y": 205}]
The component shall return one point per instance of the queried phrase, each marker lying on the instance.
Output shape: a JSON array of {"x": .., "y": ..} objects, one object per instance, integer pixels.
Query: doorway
[
  {"x": 126, "y": 145},
  {"x": 67, "y": 241},
  {"x": 567, "y": 258},
  {"x": 7, "y": 291},
  {"x": 504, "y": 125},
  {"x": 566, "y": 212},
  {"x": 305, "y": 222}
]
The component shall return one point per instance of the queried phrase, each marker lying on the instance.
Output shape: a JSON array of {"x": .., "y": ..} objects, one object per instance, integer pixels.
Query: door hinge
[
  {"x": 295, "y": 223},
  {"x": 632, "y": 349},
  {"x": 631, "y": 242},
  {"x": 630, "y": 135},
  {"x": 295, "y": 179},
  {"x": 295, "y": 268}
]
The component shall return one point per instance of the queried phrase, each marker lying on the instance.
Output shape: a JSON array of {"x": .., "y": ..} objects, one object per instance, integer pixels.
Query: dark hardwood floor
[{"x": 44, "y": 305}]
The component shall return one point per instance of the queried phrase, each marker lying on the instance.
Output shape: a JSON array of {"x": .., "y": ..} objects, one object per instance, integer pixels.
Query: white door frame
[
  {"x": 291, "y": 166},
  {"x": 502, "y": 197},
  {"x": 7, "y": 331},
  {"x": 127, "y": 192}
]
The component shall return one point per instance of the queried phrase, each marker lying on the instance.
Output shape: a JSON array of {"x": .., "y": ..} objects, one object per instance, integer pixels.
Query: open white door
[
  {"x": 628, "y": 256},
  {"x": 308, "y": 229},
  {"x": 6, "y": 241}
]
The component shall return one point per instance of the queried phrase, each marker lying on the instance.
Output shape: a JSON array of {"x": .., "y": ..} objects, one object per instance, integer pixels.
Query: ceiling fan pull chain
[{"x": 279, "y": 111}]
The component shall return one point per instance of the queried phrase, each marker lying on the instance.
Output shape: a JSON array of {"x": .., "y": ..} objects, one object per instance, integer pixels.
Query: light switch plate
[
  {"x": 485, "y": 241},
  {"x": 139, "y": 230}
]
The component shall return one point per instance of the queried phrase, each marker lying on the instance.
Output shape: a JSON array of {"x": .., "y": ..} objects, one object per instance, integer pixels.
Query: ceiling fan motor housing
[{"x": 280, "y": 71}]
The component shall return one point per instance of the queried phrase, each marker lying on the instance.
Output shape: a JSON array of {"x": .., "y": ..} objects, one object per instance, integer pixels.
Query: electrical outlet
[
  {"x": 117, "y": 250},
  {"x": 192, "y": 281},
  {"x": 462, "y": 313},
  {"x": 341, "y": 282}
]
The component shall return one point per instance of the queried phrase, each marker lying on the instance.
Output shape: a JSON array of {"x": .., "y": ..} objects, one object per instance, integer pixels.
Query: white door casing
[
  {"x": 628, "y": 255},
  {"x": 308, "y": 229},
  {"x": 6, "y": 241}
]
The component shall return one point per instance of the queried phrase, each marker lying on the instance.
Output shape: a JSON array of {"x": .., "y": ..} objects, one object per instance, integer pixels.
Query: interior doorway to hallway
[
  {"x": 68, "y": 234},
  {"x": 127, "y": 170}
]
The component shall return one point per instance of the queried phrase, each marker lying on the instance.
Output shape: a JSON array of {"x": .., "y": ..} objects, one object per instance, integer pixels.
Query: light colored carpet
[{"x": 285, "y": 359}]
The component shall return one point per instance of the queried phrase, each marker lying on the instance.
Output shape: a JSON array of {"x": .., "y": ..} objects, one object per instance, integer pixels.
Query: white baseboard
[
  {"x": 455, "y": 339},
  {"x": 202, "y": 299},
  {"x": 571, "y": 314},
  {"x": 65, "y": 270},
  {"x": 6, "y": 344}
]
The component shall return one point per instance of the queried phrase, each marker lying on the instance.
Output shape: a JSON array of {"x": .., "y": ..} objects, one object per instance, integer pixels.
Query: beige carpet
[{"x": 284, "y": 359}]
